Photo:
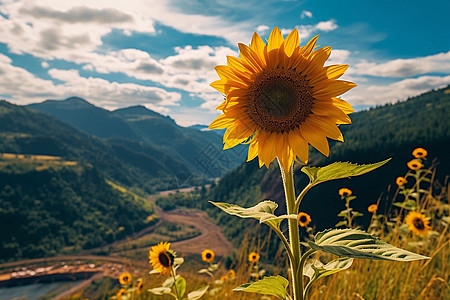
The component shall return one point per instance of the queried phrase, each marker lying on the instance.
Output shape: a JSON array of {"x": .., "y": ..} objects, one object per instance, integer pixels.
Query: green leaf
[
  {"x": 180, "y": 285},
  {"x": 263, "y": 211},
  {"x": 160, "y": 290},
  {"x": 317, "y": 270},
  {"x": 198, "y": 293},
  {"x": 341, "y": 223},
  {"x": 408, "y": 204},
  {"x": 339, "y": 170},
  {"x": 275, "y": 286},
  {"x": 355, "y": 243}
]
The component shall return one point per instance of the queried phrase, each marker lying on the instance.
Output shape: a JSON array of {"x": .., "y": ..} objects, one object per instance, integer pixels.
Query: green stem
[
  {"x": 285, "y": 242},
  {"x": 175, "y": 282},
  {"x": 294, "y": 238}
]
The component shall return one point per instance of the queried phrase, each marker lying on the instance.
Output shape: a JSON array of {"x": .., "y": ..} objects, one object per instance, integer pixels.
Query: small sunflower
[
  {"x": 162, "y": 258},
  {"x": 419, "y": 153},
  {"x": 418, "y": 223},
  {"x": 231, "y": 273},
  {"x": 253, "y": 257},
  {"x": 414, "y": 164},
  {"x": 401, "y": 181},
  {"x": 345, "y": 192},
  {"x": 120, "y": 293},
  {"x": 224, "y": 278},
  {"x": 303, "y": 219},
  {"x": 372, "y": 208},
  {"x": 208, "y": 255},
  {"x": 282, "y": 97},
  {"x": 139, "y": 286},
  {"x": 125, "y": 278}
]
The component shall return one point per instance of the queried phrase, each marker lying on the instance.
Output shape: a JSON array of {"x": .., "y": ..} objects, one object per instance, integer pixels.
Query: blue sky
[{"x": 162, "y": 54}]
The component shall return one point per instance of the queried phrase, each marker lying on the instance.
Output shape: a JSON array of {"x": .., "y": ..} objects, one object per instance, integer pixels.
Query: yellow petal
[
  {"x": 275, "y": 39},
  {"x": 342, "y": 105},
  {"x": 238, "y": 67},
  {"x": 315, "y": 137},
  {"x": 299, "y": 145},
  {"x": 327, "y": 108},
  {"x": 266, "y": 148},
  {"x": 258, "y": 45},
  {"x": 335, "y": 88},
  {"x": 328, "y": 126},
  {"x": 309, "y": 47},
  {"x": 335, "y": 71},
  {"x": 252, "y": 150},
  {"x": 291, "y": 42},
  {"x": 318, "y": 59},
  {"x": 221, "y": 121},
  {"x": 225, "y": 72},
  {"x": 250, "y": 58}
]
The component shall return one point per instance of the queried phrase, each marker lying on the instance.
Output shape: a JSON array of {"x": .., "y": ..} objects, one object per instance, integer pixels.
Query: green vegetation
[{"x": 43, "y": 210}]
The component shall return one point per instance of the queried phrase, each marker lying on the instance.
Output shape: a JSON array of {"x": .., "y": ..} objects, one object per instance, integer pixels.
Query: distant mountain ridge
[{"x": 156, "y": 133}]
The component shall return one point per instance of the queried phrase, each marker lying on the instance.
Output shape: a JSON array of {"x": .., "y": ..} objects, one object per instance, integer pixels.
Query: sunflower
[
  {"x": 418, "y": 223},
  {"x": 401, "y": 181},
  {"x": 162, "y": 258},
  {"x": 208, "y": 255},
  {"x": 139, "y": 286},
  {"x": 125, "y": 278},
  {"x": 303, "y": 219},
  {"x": 414, "y": 164},
  {"x": 372, "y": 208},
  {"x": 120, "y": 293},
  {"x": 419, "y": 153},
  {"x": 280, "y": 98},
  {"x": 224, "y": 278},
  {"x": 253, "y": 257},
  {"x": 345, "y": 192},
  {"x": 231, "y": 273}
]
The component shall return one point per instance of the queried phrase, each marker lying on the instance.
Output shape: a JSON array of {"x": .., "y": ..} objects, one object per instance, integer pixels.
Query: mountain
[
  {"x": 198, "y": 151},
  {"x": 26, "y": 131},
  {"x": 389, "y": 131}
]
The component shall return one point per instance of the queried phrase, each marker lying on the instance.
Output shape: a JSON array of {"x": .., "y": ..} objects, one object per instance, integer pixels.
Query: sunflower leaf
[
  {"x": 198, "y": 293},
  {"x": 160, "y": 290},
  {"x": 261, "y": 210},
  {"x": 318, "y": 270},
  {"x": 355, "y": 243},
  {"x": 339, "y": 170},
  {"x": 275, "y": 286},
  {"x": 180, "y": 285}
]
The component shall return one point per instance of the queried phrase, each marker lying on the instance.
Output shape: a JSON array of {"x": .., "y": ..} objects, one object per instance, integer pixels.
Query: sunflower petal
[
  {"x": 220, "y": 122},
  {"x": 275, "y": 39},
  {"x": 335, "y": 88},
  {"x": 258, "y": 45},
  {"x": 225, "y": 72},
  {"x": 315, "y": 137},
  {"x": 251, "y": 58},
  {"x": 252, "y": 150},
  {"x": 309, "y": 47},
  {"x": 335, "y": 71},
  {"x": 291, "y": 42},
  {"x": 299, "y": 145},
  {"x": 328, "y": 126}
]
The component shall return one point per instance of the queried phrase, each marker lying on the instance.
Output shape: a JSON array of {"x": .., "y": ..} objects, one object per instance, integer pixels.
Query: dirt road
[{"x": 211, "y": 236}]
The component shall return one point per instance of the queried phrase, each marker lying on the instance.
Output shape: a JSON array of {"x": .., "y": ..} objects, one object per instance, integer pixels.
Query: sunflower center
[
  {"x": 279, "y": 100},
  {"x": 303, "y": 219},
  {"x": 418, "y": 223},
  {"x": 208, "y": 255},
  {"x": 165, "y": 259}
]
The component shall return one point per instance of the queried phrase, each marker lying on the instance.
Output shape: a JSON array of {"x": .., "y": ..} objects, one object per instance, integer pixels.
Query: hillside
[
  {"x": 390, "y": 131},
  {"x": 159, "y": 136},
  {"x": 49, "y": 205},
  {"x": 27, "y": 131}
]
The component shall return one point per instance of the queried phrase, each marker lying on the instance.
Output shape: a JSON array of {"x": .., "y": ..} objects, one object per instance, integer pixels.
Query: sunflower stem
[
  {"x": 294, "y": 238},
  {"x": 175, "y": 282}
]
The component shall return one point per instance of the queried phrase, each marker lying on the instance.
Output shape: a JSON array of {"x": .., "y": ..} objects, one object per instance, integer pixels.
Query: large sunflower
[
  {"x": 282, "y": 96},
  {"x": 418, "y": 223},
  {"x": 162, "y": 258}
]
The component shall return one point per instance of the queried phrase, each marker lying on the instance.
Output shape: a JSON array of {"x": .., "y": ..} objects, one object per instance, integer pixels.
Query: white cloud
[
  {"x": 26, "y": 88},
  {"x": 399, "y": 90},
  {"x": 327, "y": 26},
  {"x": 406, "y": 67},
  {"x": 338, "y": 56},
  {"x": 306, "y": 14},
  {"x": 45, "y": 64},
  {"x": 262, "y": 29}
]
